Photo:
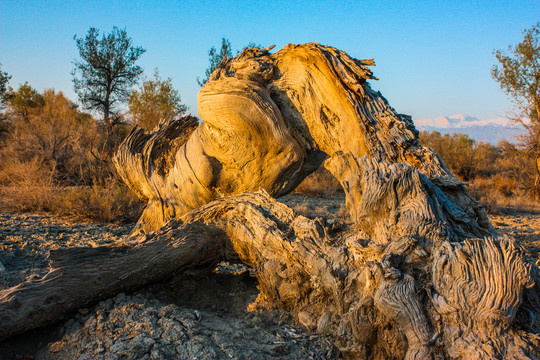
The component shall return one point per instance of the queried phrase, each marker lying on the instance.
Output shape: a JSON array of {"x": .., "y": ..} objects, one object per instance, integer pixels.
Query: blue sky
[{"x": 432, "y": 57}]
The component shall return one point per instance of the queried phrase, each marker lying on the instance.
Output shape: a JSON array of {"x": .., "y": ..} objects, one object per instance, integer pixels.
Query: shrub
[
  {"x": 499, "y": 194},
  {"x": 499, "y": 176},
  {"x": 320, "y": 183},
  {"x": 30, "y": 186},
  {"x": 111, "y": 201},
  {"x": 465, "y": 157},
  {"x": 108, "y": 202},
  {"x": 55, "y": 159}
]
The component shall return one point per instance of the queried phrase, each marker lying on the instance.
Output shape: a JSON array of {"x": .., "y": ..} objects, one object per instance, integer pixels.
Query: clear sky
[{"x": 432, "y": 57}]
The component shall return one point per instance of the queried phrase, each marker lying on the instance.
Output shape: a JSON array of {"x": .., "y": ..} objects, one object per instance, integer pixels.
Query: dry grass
[
  {"x": 302, "y": 209},
  {"x": 500, "y": 194},
  {"x": 27, "y": 186},
  {"x": 110, "y": 202},
  {"x": 56, "y": 159},
  {"x": 330, "y": 208},
  {"x": 30, "y": 187},
  {"x": 320, "y": 183}
]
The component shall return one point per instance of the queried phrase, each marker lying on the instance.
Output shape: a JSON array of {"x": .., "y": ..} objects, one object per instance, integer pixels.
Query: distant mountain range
[{"x": 487, "y": 130}]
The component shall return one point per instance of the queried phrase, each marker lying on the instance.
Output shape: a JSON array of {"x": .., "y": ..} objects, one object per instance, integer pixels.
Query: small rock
[
  {"x": 69, "y": 323},
  {"x": 120, "y": 298},
  {"x": 155, "y": 354},
  {"x": 148, "y": 341},
  {"x": 106, "y": 304}
]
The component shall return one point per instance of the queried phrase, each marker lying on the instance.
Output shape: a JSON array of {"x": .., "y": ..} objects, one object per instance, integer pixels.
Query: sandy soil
[
  {"x": 183, "y": 317},
  {"x": 524, "y": 227}
]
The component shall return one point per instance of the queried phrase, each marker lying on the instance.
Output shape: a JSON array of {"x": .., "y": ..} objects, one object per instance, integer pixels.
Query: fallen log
[
  {"x": 422, "y": 273},
  {"x": 363, "y": 292},
  {"x": 81, "y": 276}
]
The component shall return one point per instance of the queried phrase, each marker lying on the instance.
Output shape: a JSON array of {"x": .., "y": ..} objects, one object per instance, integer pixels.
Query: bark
[
  {"x": 269, "y": 121},
  {"x": 396, "y": 300},
  {"x": 81, "y": 276},
  {"x": 537, "y": 181},
  {"x": 422, "y": 274}
]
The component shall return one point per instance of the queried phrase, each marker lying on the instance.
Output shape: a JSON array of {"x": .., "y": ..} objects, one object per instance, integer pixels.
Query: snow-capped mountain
[{"x": 488, "y": 130}]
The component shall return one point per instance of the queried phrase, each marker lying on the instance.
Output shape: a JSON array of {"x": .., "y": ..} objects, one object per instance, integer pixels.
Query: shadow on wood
[{"x": 421, "y": 275}]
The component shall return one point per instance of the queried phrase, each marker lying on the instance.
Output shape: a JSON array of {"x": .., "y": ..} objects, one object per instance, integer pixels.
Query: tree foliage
[
  {"x": 519, "y": 72},
  {"x": 518, "y": 75},
  {"x": 4, "y": 80},
  {"x": 156, "y": 100},
  {"x": 107, "y": 71},
  {"x": 22, "y": 102},
  {"x": 215, "y": 57},
  {"x": 4, "y": 95}
]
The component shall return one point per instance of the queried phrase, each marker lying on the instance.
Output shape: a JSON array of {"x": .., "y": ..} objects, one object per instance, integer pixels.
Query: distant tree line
[
  {"x": 55, "y": 156},
  {"x": 503, "y": 170},
  {"x": 49, "y": 142}
]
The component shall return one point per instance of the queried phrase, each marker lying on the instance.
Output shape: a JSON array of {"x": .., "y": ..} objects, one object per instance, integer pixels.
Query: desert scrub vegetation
[
  {"x": 320, "y": 183},
  {"x": 53, "y": 158},
  {"x": 502, "y": 176}
]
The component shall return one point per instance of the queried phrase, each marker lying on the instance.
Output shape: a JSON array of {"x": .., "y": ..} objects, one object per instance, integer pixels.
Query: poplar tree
[
  {"x": 518, "y": 75},
  {"x": 106, "y": 72}
]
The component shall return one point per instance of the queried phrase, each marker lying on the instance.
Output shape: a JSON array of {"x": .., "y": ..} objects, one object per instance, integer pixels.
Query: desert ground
[{"x": 184, "y": 317}]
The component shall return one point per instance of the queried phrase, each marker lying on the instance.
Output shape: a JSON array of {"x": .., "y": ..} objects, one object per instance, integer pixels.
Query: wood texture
[
  {"x": 421, "y": 275},
  {"x": 81, "y": 276},
  {"x": 269, "y": 121}
]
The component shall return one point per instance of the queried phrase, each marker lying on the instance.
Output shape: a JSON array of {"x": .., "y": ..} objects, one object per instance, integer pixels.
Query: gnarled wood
[
  {"x": 80, "y": 276},
  {"x": 422, "y": 275},
  {"x": 269, "y": 121},
  {"x": 355, "y": 286},
  {"x": 479, "y": 287},
  {"x": 392, "y": 200}
]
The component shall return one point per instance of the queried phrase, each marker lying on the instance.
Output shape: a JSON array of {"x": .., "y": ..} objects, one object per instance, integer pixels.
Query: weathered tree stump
[{"x": 422, "y": 274}]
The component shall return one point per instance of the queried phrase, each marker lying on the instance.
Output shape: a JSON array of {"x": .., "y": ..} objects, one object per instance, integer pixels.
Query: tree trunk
[
  {"x": 537, "y": 182},
  {"x": 107, "y": 117},
  {"x": 80, "y": 276},
  {"x": 269, "y": 121},
  {"x": 414, "y": 297},
  {"x": 422, "y": 274}
]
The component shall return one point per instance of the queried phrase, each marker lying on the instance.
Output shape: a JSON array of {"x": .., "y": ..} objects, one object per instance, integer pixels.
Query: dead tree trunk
[
  {"x": 421, "y": 275},
  {"x": 79, "y": 276},
  {"x": 269, "y": 121},
  {"x": 414, "y": 297}
]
